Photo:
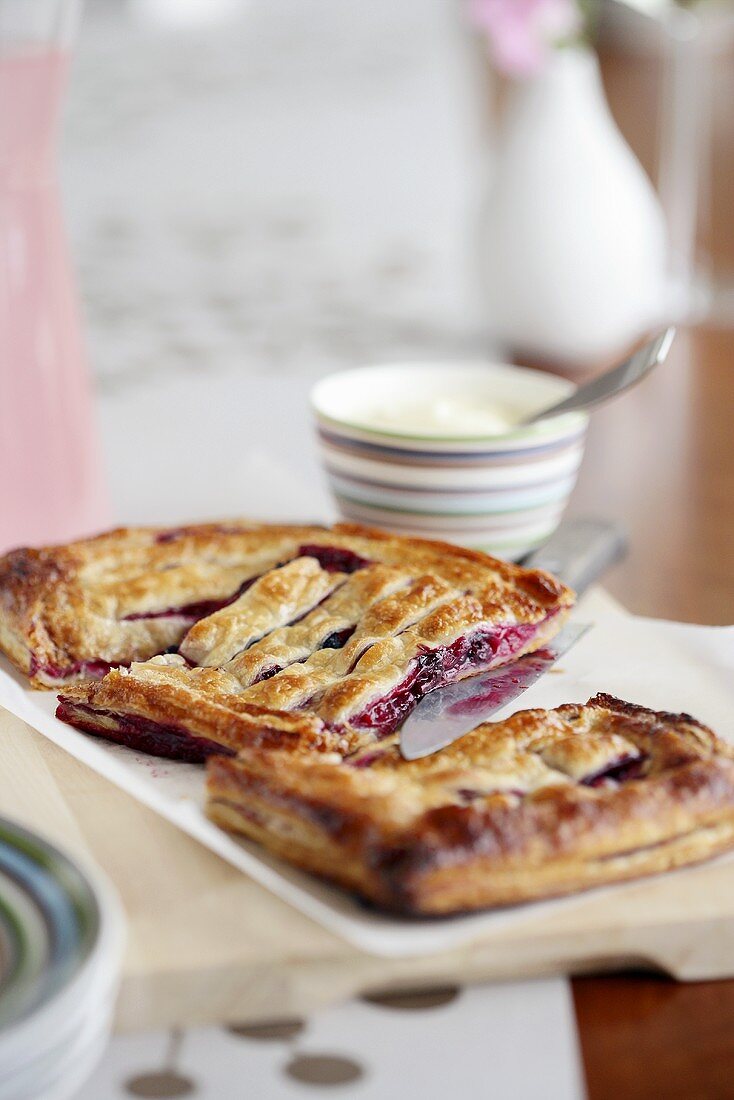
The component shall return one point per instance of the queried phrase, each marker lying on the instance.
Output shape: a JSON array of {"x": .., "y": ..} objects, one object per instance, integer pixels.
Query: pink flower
[{"x": 521, "y": 33}]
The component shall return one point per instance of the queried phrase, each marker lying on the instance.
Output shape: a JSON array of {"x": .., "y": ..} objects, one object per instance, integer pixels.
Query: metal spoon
[{"x": 613, "y": 381}]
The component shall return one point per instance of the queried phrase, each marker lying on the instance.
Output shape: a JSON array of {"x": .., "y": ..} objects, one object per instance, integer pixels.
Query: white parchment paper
[{"x": 667, "y": 666}]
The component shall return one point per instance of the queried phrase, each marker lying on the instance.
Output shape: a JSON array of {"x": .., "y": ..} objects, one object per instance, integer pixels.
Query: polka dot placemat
[
  {"x": 397, "y": 1044},
  {"x": 416, "y": 999},
  {"x": 164, "y": 1083}
]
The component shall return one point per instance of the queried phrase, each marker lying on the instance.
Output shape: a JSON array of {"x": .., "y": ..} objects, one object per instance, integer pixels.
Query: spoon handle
[{"x": 613, "y": 381}]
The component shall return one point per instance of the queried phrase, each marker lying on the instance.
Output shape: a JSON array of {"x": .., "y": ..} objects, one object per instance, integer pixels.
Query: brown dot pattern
[
  {"x": 320, "y": 1070},
  {"x": 276, "y": 1031},
  {"x": 323, "y": 1069},
  {"x": 160, "y": 1085},
  {"x": 414, "y": 999}
]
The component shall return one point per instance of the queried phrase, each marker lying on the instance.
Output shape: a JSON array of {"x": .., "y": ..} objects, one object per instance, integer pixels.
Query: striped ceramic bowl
[{"x": 502, "y": 490}]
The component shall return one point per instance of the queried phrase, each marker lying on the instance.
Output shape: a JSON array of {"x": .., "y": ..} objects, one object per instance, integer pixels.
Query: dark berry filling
[
  {"x": 333, "y": 558},
  {"x": 193, "y": 611},
  {"x": 334, "y": 640},
  {"x": 496, "y": 692},
  {"x": 470, "y": 794},
  {"x": 337, "y": 639},
  {"x": 172, "y": 535},
  {"x": 94, "y": 670},
  {"x": 175, "y": 533},
  {"x": 267, "y": 673},
  {"x": 368, "y": 759},
  {"x": 628, "y": 767},
  {"x": 141, "y": 734},
  {"x": 437, "y": 667}
]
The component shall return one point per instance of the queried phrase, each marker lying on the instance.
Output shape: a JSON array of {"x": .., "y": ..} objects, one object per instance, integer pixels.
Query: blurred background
[
  {"x": 272, "y": 186},
  {"x": 268, "y": 186},
  {"x": 258, "y": 193}
]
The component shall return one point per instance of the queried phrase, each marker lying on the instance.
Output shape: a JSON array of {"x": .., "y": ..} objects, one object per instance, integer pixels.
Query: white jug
[{"x": 573, "y": 241}]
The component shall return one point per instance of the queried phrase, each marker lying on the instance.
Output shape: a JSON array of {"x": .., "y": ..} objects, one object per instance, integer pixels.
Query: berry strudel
[
  {"x": 287, "y": 657},
  {"x": 542, "y": 804},
  {"x": 228, "y": 635}
]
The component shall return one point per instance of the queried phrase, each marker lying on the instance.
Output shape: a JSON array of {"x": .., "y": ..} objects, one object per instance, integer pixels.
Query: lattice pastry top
[{"x": 341, "y": 629}]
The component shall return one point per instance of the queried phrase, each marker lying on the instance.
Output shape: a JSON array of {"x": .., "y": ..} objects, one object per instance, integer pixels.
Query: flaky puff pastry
[
  {"x": 221, "y": 590},
  {"x": 541, "y": 804}
]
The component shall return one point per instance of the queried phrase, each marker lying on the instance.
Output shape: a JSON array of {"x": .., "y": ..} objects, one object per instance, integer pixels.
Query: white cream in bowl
[
  {"x": 439, "y": 416},
  {"x": 462, "y": 401}
]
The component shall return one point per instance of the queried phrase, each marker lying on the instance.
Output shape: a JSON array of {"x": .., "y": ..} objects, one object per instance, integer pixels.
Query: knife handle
[{"x": 579, "y": 551}]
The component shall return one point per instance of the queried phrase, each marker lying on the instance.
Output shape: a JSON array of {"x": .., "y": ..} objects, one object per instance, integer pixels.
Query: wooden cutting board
[{"x": 207, "y": 944}]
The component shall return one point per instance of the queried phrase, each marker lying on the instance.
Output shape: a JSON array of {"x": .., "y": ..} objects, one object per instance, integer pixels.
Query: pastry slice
[
  {"x": 165, "y": 708},
  {"x": 222, "y": 592},
  {"x": 338, "y": 698},
  {"x": 541, "y": 804},
  {"x": 332, "y": 636}
]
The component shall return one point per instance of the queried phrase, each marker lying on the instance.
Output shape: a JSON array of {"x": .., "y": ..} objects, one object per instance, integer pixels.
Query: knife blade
[{"x": 447, "y": 714}]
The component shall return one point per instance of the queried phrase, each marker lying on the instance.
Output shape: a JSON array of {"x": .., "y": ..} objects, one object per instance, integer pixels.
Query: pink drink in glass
[{"x": 51, "y": 478}]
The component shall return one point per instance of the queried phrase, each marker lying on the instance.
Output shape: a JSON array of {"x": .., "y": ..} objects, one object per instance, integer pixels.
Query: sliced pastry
[
  {"x": 544, "y": 803},
  {"x": 265, "y": 601}
]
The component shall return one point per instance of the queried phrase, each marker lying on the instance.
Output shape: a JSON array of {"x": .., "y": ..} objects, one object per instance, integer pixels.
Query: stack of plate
[{"x": 61, "y": 939}]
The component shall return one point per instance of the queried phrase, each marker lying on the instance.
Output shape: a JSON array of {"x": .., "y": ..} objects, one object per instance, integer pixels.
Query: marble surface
[
  {"x": 290, "y": 188},
  {"x": 251, "y": 204}
]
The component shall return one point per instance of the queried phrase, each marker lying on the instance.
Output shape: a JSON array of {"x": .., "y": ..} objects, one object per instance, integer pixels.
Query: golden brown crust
[
  {"x": 27, "y": 581},
  {"x": 201, "y": 702},
  {"x": 63, "y": 609},
  {"x": 211, "y": 703},
  {"x": 281, "y": 595},
  {"x": 545, "y": 803},
  {"x": 328, "y": 692},
  {"x": 67, "y": 612},
  {"x": 295, "y": 641}
]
